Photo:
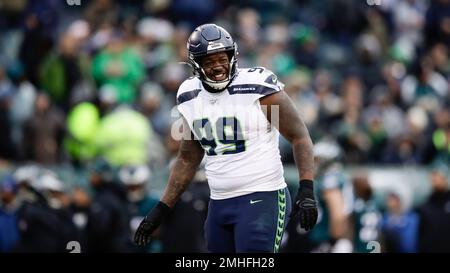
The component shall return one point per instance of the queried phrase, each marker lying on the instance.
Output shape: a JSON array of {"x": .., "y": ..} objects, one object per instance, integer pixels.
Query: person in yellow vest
[
  {"x": 82, "y": 124},
  {"x": 441, "y": 142},
  {"x": 123, "y": 137}
]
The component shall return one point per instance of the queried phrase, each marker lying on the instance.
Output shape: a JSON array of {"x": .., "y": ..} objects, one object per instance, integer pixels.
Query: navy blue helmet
[{"x": 209, "y": 39}]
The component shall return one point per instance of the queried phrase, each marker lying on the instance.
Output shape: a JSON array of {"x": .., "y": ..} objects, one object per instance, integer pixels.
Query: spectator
[
  {"x": 25, "y": 176},
  {"x": 135, "y": 179},
  {"x": 79, "y": 209},
  {"x": 441, "y": 137},
  {"x": 82, "y": 125},
  {"x": 123, "y": 137},
  {"x": 43, "y": 132},
  {"x": 366, "y": 215},
  {"x": 437, "y": 24},
  {"x": 9, "y": 231},
  {"x": 435, "y": 214},
  {"x": 60, "y": 71},
  {"x": 108, "y": 226},
  {"x": 6, "y": 92},
  {"x": 22, "y": 105},
  {"x": 409, "y": 20},
  {"x": 101, "y": 12},
  {"x": 399, "y": 226},
  {"x": 425, "y": 86},
  {"x": 35, "y": 46},
  {"x": 46, "y": 224},
  {"x": 351, "y": 134},
  {"x": 119, "y": 66},
  {"x": 440, "y": 59}
]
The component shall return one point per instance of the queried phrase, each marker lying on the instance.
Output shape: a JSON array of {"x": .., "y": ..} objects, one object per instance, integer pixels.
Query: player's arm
[
  {"x": 339, "y": 221},
  {"x": 188, "y": 159},
  {"x": 338, "y": 218},
  {"x": 190, "y": 154},
  {"x": 292, "y": 127}
]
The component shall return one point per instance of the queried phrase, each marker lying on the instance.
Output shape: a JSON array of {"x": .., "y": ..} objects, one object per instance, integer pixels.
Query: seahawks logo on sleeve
[
  {"x": 266, "y": 76},
  {"x": 256, "y": 80}
]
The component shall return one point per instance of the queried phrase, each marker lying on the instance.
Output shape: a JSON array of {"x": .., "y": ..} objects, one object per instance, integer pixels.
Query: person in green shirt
[{"x": 120, "y": 66}]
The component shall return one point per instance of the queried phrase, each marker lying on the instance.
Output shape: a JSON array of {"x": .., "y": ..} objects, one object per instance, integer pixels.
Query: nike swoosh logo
[{"x": 255, "y": 201}]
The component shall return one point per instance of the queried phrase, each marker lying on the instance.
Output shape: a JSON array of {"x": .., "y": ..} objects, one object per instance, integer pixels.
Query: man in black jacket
[
  {"x": 108, "y": 227},
  {"x": 435, "y": 215}
]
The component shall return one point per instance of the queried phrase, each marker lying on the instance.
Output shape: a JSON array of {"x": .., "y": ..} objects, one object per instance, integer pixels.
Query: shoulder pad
[
  {"x": 261, "y": 75},
  {"x": 256, "y": 80},
  {"x": 188, "y": 90}
]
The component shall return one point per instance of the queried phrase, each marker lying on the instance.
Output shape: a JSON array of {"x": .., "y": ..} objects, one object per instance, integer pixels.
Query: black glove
[
  {"x": 305, "y": 205},
  {"x": 150, "y": 223}
]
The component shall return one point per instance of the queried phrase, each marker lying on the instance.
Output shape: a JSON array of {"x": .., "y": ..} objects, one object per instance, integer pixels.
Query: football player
[
  {"x": 234, "y": 116},
  {"x": 331, "y": 233}
]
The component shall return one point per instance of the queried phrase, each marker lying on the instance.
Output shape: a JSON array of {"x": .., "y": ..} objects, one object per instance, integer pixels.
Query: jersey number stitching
[
  {"x": 204, "y": 131},
  {"x": 260, "y": 69}
]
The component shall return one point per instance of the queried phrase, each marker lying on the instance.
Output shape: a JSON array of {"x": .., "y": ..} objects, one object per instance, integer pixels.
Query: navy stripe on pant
[{"x": 250, "y": 223}]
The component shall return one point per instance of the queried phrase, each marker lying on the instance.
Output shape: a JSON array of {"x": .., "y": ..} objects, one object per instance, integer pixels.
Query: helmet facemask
[{"x": 215, "y": 85}]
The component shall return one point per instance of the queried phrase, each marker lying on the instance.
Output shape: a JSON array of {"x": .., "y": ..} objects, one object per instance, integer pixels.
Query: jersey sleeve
[
  {"x": 271, "y": 81},
  {"x": 187, "y": 91}
]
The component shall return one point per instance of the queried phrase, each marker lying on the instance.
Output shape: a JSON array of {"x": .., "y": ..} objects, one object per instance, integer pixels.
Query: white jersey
[{"x": 241, "y": 146}]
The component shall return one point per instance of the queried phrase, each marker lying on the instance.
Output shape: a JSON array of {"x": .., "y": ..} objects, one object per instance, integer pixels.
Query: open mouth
[{"x": 220, "y": 77}]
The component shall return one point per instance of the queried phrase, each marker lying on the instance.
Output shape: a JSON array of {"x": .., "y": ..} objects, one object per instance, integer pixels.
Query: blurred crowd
[
  {"x": 92, "y": 88},
  {"x": 352, "y": 219}
]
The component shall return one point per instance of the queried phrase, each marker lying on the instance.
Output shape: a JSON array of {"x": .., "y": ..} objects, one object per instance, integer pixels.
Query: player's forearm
[
  {"x": 339, "y": 226},
  {"x": 339, "y": 222},
  {"x": 180, "y": 177},
  {"x": 303, "y": 155},
  {"x": 292, "y": 127}
]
